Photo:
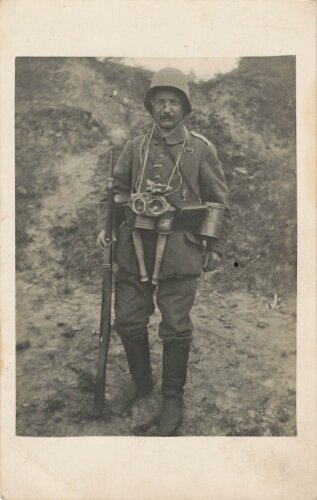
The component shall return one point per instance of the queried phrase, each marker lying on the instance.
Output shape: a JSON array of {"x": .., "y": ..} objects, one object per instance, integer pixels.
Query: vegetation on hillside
[{"x": 68, "y": 105}]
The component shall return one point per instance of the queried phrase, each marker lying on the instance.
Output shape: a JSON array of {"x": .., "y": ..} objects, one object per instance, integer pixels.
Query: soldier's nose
[{"x": 167, "y": 107}]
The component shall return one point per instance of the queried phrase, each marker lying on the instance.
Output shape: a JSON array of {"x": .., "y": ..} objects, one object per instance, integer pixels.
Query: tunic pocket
[
  {"x": 183, "y": 255},
  {"x": 193, "y": 238}
]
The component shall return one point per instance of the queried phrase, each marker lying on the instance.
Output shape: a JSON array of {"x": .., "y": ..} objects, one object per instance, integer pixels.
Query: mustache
[{"x": 166, "y": 116}]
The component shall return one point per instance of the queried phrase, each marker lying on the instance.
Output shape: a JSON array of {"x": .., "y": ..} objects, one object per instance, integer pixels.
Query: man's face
[{"x": 167, "y": 109}]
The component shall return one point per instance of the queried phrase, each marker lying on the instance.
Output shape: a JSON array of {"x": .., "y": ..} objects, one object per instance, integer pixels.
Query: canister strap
[{"x": 180, "y": 170}]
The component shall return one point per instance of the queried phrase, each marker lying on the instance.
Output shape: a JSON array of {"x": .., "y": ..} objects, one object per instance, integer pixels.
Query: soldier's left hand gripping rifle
[{"x": 105, "y": 317}]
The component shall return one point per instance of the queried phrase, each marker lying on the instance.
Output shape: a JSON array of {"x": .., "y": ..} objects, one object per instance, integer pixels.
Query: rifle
[{"x": 105, "y": 317}]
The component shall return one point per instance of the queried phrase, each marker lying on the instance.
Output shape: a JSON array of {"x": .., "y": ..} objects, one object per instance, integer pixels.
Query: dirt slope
[{"x": 242, "y": 348}]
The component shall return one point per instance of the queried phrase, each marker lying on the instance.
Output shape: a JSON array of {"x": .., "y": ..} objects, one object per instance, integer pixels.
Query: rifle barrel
[{"x": 105, "y": 316}]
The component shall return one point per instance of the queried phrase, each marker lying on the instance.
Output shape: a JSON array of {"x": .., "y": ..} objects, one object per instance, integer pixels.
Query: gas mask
[{"x": 148, "y": 205}]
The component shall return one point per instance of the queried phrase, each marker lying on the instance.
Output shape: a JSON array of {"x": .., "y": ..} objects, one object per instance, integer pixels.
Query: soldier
[{"x": 163, "y": 180}]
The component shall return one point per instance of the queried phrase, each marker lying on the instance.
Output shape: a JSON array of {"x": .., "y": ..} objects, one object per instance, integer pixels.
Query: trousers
[{"x": 134, "y": 304}]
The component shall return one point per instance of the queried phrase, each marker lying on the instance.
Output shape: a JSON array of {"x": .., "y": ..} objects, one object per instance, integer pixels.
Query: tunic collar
[{"x": 175, "y": 137}]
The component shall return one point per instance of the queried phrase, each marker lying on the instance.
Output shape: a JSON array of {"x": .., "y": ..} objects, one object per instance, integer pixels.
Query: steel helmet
[{"x": 169, "y": 77}]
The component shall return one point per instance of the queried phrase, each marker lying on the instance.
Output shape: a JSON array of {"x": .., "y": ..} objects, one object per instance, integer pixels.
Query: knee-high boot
[
  {"x": 175, "y": 360},
  {"x": 138, "y": 356}
]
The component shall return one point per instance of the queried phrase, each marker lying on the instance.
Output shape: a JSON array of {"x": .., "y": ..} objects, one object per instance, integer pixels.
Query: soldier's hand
[
  {"x": 101, "y": 239},
  {"x": 212, "y": 259}
]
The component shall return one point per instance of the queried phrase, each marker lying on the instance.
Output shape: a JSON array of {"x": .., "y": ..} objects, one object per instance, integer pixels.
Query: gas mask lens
[
  {"x": 150, "y": 206},
  {"x": 139, "y": 205},
  {"x": 157, "y": 206}
]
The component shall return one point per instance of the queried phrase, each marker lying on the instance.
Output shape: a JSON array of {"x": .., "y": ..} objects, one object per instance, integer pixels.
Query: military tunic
[{"x": 183, "y": 256}]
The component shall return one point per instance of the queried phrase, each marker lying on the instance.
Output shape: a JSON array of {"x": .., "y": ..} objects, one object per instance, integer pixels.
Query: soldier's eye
[{"x": 160, "y": 103}]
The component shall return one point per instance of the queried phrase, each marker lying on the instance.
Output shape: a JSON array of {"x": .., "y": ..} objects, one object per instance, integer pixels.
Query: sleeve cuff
[{"x": 214, "y": 245}]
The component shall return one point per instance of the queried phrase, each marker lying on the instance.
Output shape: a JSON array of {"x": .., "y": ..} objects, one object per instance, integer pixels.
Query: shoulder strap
[
  {"x": 202, "y": 137},
  {"x": 206, "y": 141}
]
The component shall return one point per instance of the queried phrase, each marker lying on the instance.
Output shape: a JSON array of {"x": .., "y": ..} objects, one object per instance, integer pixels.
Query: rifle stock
[{"x": 105, "y": 317}]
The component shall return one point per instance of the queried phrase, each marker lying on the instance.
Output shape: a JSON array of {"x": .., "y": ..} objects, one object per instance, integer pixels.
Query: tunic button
[{"x": 157, "y": 177}]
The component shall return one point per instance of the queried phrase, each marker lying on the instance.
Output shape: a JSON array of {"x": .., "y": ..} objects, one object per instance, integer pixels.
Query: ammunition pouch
[
  {"x": 190, "y": 215},
  {"x": 162, "y": 224}
]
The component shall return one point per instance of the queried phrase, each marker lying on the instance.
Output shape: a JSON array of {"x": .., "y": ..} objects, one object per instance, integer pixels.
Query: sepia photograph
[
  {"x": 155, "y": 246},
  {"x": 158, "y": 250}
]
